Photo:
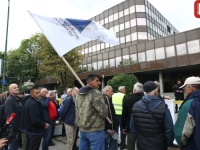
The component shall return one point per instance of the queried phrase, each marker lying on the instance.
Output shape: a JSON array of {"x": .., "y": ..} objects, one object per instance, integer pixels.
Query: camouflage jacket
[{"x": 91, "y": 110}]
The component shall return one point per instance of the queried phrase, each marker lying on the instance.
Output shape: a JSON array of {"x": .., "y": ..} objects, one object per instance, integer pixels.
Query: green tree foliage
[{"x": 127, "y": 80}]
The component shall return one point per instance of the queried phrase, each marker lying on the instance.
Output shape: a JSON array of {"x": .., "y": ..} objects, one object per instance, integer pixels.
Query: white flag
[{"x": 65, "y": 34}]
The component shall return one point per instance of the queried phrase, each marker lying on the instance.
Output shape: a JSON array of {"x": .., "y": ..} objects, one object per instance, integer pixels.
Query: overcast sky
[{"x": 21, "y": 26}]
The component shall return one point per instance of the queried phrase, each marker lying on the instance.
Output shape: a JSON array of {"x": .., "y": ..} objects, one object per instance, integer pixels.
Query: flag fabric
[{"x": 64, "y": 34}]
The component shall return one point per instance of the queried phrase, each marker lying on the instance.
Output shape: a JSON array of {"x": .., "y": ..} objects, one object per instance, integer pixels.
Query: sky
[{"x": 21, "y": 26}]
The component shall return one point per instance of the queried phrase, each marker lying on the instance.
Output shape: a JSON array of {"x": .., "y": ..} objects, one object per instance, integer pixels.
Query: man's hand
[
  {"x": 166, "y": 97},
  {"x": 46, "y": 125},
  {"x": 124, "y": 131},
  {"x": 3, "y": 142},
  {"x": 111, "y": 132}
]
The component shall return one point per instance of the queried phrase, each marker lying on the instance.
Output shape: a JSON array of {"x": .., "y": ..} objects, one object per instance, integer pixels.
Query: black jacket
[
  {"x": 45, "y": 103},
  {"x": 127, "y": 109},
  {"x": 32, "y": 117},
  {"x": 13, "y": 105},
  {"x": 111, "y": 114}
]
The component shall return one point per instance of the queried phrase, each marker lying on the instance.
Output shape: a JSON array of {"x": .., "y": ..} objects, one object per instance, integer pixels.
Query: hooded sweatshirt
[{"x": 91, "y": 110}]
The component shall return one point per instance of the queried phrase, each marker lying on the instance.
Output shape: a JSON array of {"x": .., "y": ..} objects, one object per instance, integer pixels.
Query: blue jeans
[
  {"x": 47, "y": 136},
  {"x": 15, "y": 144},
  {"x": 94, "y": 140},
  {"x": 110, "y": 143}
]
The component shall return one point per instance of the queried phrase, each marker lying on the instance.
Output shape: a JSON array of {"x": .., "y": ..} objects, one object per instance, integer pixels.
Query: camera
[{"x": 10, "y": 133}]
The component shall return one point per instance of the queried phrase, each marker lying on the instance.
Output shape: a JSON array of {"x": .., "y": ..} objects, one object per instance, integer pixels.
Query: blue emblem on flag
[{"x": 80, "y": 25}]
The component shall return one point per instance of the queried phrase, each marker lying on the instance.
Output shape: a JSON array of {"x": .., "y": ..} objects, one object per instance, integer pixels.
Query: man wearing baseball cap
[
  {"x": 187, "y": 126},
  {"x": 151, "y": 122}
]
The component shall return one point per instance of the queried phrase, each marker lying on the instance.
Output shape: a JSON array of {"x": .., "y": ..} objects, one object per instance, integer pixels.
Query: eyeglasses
[{"x": 187, "y": 86}]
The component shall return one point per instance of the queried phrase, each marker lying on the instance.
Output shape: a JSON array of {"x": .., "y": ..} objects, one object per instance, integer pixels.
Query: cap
[
  {"x": 191, "y": 80},
  {"x": 149, "y": 86}
]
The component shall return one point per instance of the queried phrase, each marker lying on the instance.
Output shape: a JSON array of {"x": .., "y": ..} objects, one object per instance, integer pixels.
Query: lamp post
[{"x": 5, "y": 53}]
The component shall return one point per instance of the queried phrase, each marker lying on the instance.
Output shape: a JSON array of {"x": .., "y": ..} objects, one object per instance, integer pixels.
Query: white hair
[
  {"x": 121, "y": 87},
  {"x": 106, "y": 88},
  {"x": 138, "y": 87},
  {"x": 150, "y": 93}
]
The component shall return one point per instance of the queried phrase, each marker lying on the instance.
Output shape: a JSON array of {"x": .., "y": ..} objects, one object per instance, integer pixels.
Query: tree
[{"x": 122, "y": 79}]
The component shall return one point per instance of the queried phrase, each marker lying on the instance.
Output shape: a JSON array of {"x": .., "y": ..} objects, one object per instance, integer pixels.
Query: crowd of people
[{"x": 103, "y": 118}]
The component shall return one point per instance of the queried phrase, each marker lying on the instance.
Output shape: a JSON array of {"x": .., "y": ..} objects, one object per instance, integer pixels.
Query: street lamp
[{"x": 5, "y": 53}]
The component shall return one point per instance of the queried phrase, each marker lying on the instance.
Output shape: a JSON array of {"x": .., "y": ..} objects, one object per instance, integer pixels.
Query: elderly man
[
  {"x": 68, "y": 117},
  {"x": 13, "y": 105},
  {"x": 126, "y": 113},
  {"x": 110, "y": 129},
  {"x": 187, "y": 126},
  {"x": 91, "y": 112},
  {"x": 151, "y": 122},
  {"x": 118, "y": 100}
]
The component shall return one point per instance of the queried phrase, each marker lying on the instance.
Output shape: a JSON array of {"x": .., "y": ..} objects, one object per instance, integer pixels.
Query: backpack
[{"x": 2, "y": 116}]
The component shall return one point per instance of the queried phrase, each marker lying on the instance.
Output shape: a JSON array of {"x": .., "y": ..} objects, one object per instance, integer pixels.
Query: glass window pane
[
  {"x": 160, "y": 53},
  {"x": 141, "y": 57},
  {"x": 115, "y": 16},
  {"x": 127, "y": 24},
  {"x": 94, "y": 48},
  {"x": 89, "y": 67},
  {"x": 90, "y": 49},
  {"x": 102, "y": 22},
  {"x": 122, "y": 39},
  {"x": 84, "y": 68},
  {"x": 170, "y": 51},
  {"x": 82, "y": 51},
  {"x": 102, "y": 45},
  {"x": 121, "y": 14},
  {"x": 133, "y": 22},
  {"x": 150, "y": 55},
  {"x": 126, "y": 60},
  {"x": 94, "y": 66},
  {"x": 118, "y": 61},
  {"x": 140, "y": 8},
  {"x": 111, "y": 18},
  {"x": 142, "y": 35},
  {"x": 100, "y": 65},
  {"x": 132, "y": 9},
  {"x": 107, "y": 45},
  {"x": 98, "y": 47},
  {"x": 128, "y": 38},
  {"x": 126, "y": 12},
  {"x": 105, "y": 64},
  {"x": 193, "y": 47},
  {"x": 106, "y": 20},
  {"x": 133, "y": 58},
  {"x": 121, "y": 26},
  {"x": 134, "y": 36},
  {"x": 112, "y": 62},
  {"x": 141, "y": 21},
  {"x": 181, "y": 49},
  {"x": 116, "y": 28}
]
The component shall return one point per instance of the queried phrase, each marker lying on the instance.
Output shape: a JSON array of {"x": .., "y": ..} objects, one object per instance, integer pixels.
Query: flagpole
[{"x": 73, "y": 72}]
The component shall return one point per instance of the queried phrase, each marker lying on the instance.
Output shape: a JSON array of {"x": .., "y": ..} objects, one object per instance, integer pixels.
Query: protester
[
  {"x": 126, "y": 113},
  {"x": 91, "y": 112},
  {"x": 13, "y": 105},
  {"x": 162, "y": 97},
  {"x": 151, "y": 122},
  {"x": 110, "y": 129},
  {"x": 118, "y": 99},
  {"x": 187, "y": 126},
  {"x": 33, "y": 120},
  {"x": 68, "y": 117}
]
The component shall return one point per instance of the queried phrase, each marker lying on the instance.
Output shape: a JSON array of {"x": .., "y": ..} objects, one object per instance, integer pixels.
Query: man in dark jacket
[
  {"x": 126, "y": 113},
  {"x": 110, "y": 129},
  {"x": 13, "y": 105},
  {"x": 68, "y": 117},
  {"x": 187, "y": 126},
  {"x": 151, "y": 122},
  {"x": 33, "y": 120}
]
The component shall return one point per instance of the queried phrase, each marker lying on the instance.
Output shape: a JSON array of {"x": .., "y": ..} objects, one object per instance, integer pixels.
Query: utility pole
[{"x": 5, "y": 53}]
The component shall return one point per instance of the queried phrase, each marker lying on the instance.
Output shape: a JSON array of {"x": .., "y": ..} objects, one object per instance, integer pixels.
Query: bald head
[{"x": 13, "y": 89}]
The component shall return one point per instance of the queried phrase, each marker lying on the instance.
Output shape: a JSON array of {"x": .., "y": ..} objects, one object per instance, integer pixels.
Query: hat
[
  {"x": 191, "y": 80},
  {"x": 149, "y": 86}
]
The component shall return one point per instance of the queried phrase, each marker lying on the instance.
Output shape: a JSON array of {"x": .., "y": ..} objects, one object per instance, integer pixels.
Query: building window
[
  {"x": 127, "y": 24},
  {"x": 181, "y": 49},
  {"x": 133, "y": 58},
  {"x": 121, "y": 26},
  {"x": 116, "y": 28},
  {"x": 94, "y": 66},
  {"x": 118, "y": 61},
  {"x": 94, "y": 48},
  {"x": 141, "y": 21},
  {"x": 141, "y": 57},
  {"x": 126, "y": 12},
  {"x": 106, "y": 20},
  {"x": 102, "y": 45},
  {"x": 142, "y": 35},
  {"x": 107, "y": 45},
  {"x": 111, "y": 18},
  {"x": 193, "y": 47},
  {"x": 150, "y": 54},
  {"x": 105, "y": 64},
  {"x": 140, "y": 8},
  {"x": 86, "y": 50},
  {"x": 90, "y": 49},
  {"x": 112, "y": 63},
  {"x": 160, "y": 53},
  {"x": 100, "y": 65},
  {"x": 133, "y": 22},
  {"x": 82, "y": 51},
  {"x": 126, "y": 60},
  {"x": 128, "y": 38},
  {"x": 122, "y": 40},
  {"x": 170, "y": 51},
  {"x": 84, "y": 68},
  {"x": 121, "y": 14},
  {"x": 168, "y": 29},
  {"x": 132, "y": 9},
  {"x": 134, "y": 36},
  {"x": 112, "y": 28},
  {"x": 115, "y": 16},
  {"x": 98, "y": 47},
  {"x": 89, "y": 67},
  {"x": 102, "y": 22}
]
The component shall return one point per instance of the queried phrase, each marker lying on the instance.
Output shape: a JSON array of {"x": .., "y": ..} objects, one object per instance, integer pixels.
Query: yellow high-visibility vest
[{"x": 117, "y": 100}]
